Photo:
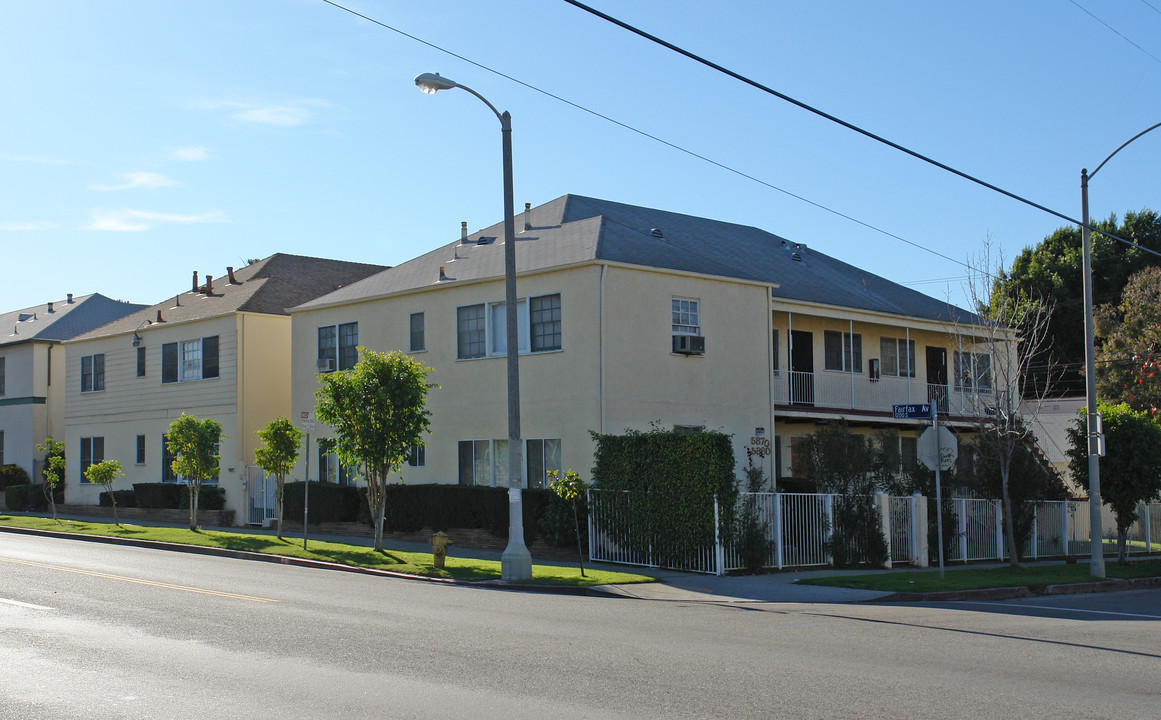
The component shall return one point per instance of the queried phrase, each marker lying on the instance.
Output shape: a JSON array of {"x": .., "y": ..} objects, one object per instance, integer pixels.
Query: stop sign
[{"x": 948, "y": 449}]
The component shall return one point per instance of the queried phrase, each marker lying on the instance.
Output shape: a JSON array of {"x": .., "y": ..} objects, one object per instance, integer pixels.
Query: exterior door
[
  {"x": 801, "y": 367},
  {"x": 937, "y": 377}
]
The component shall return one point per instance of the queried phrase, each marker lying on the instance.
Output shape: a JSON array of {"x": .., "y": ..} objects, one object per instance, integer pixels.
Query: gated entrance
[{"x": 260, "y": 508}]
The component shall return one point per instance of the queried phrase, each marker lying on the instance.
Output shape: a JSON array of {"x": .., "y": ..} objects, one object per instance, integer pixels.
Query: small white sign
[{"x": 306, "y": 421}]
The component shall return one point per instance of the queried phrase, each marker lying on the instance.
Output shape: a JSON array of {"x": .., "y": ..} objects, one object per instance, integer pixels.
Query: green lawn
[
  {"x": 395, "y": 561},
  {"x": 1036, "y": 576}
]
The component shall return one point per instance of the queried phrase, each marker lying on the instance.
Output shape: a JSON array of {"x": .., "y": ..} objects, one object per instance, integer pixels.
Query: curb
[
  {"x": 1011, "y": 593},
  {"x": 303, "y": 562}
]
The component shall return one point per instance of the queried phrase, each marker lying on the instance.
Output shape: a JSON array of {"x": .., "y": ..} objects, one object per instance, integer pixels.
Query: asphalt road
[{"x": 97, "y": 631}]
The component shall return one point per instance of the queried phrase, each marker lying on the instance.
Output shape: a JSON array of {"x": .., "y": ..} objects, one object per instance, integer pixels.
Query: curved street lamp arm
[
  {"x": 499, "y": 115},
  {"x": 1114, "y": 152}
]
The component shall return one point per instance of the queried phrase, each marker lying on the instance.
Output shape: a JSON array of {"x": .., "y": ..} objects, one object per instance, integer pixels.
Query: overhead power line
[
  {"x": 1116, "y": 32},
  {"x": 844, "y": 123}
]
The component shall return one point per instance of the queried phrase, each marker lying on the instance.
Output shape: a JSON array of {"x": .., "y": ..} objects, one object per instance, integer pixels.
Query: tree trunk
[
  {"x": 380, "y": 515},
  {"x": 193, "y": 504},
  {"x": 1122, "y": 546},
  {"x": 1009, "y": 521},
  {"x": 113, "y": 500},
  {"x": 278, "y": 502},
  {"x": 576, "y": 524}
]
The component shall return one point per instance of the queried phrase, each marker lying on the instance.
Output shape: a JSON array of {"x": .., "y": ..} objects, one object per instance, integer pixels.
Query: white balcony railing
[{"x": 836, "y": 390}]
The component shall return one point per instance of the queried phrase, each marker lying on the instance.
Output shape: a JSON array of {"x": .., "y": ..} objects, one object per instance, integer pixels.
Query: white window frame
[
  {"x": 91, "y": 459},
  {"x": 683, "y": 310},
  {"x": 849, "y": 363},
  {"x": 496, "y": 328},
  {"x": 557, "y": 466},
  {"x": 189, "y": 360},
  {"x": 417, "y": 456},
  {"x": 337, "y": 347},
  {"x": 93, "y": 375},
  {"x": 902, "y": 359},
  {"x": 969, "y": 382}
]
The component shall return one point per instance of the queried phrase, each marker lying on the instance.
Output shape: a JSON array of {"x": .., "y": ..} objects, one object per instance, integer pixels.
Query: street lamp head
[{"x": 430, "y": 83}]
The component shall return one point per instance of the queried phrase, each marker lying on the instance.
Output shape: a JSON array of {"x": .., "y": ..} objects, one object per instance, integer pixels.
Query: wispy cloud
[
  {"x": 35, "y": 160},
  {"x": 25, "y": 226},
  {"x": 288, "y": 114},
  {"x": 138, "y": 220},
  {"x": 139, "y": 180},
  {"x": 190, "y": 154}
]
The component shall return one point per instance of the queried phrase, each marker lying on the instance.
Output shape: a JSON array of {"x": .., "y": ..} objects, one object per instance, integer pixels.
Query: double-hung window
[
  {"x": 189, "y": 360},
  {"x": 92, "y": 452},
  {"x": 93, "y": 373},
  {"x": 541, "y": 456},
  {"x": 338, "y": 346},
  {"x": 482, "y": 329},
  {"x": 416, "y": 329},
  {"x": 973, "y": 372},
  {"x": 842, "y": 352},
  {"x": 330, "y": 468},
  {"x": 897, "y": 357},
  {"x": 167, "y": 458},
  {"x": 475, "y": 462},
  {"x": 417, "y": 456},
  {"x": 140, "y": 362},
  {"x": 140, "y": 449},
  {"x": 686, "y": 316}
]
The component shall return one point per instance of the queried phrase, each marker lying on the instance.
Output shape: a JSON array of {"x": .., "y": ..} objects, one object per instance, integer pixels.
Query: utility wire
[
  {"x": 1117, "y": 32},
  {"x": 844, "y": 123},
  {"x": 655, "y": 138}
]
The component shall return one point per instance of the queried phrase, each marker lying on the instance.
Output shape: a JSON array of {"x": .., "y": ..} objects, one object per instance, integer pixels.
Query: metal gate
[{"x": 260, "y": 498}]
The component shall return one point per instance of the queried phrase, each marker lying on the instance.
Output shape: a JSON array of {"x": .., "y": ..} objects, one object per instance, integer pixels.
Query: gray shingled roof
[
  {"x": 575, "y": 229},
  {"x": 269, "y": 286},
  {"x": 65, "y": 321}
]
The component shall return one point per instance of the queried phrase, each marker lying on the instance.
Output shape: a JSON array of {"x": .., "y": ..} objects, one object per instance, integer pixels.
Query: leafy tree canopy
[
  {"x": 194, "y": 444},
  {"x": 1130, "y": 347},
  {"x": 1052, "y": 269}
]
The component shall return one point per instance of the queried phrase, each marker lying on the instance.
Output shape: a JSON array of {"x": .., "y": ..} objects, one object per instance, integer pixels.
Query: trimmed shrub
[
  {"x": 328, "y": 502},
  {"x": 21, "y": 498},
  {"x": 557, "y": 525},
  {"x": 210, "y": 497},
  {"x": 125, "y": 498},
  {"x": 13, "y": 475},
  {"x": 160, "y": 495}
]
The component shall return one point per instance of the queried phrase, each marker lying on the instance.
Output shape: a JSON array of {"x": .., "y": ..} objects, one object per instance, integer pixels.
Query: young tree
[
  {"x": 993, "y": 359},
  {"x": 54, "y": 468},
  {"x": 194, "y": 446},
  {"x": 569, "y": 487},
  {"x": 1131, "y": 466},
  {"x": 378, "y": 411},
  {"x": 277, "y": 456},
  {"x": 1129, "y": 356},
  {"x": 105, "y": 473}
]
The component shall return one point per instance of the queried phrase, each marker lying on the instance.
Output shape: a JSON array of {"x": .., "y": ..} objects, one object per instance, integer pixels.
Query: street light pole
[
  {"x": 1096, "y": 541},
  {"x": 516, "y": 561}
]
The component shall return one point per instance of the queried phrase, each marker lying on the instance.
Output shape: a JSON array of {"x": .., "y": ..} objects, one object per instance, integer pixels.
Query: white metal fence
[
  {"x": 798, "y": 528},
  {"x": 260, "y": 496}
]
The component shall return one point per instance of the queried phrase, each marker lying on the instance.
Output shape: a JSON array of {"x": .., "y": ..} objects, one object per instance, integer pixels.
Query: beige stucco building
[
  {"x": 633, "y": 318},
  {"x": 220, "y": 350},
  {"x": 32, "y": 368}
]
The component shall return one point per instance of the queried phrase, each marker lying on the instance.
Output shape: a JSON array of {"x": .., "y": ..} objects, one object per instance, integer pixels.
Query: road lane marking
[
  {"x": 150, "y": 583},
  {"x": 17, "y": 603},
  {"x": 1061, "y": 609}
]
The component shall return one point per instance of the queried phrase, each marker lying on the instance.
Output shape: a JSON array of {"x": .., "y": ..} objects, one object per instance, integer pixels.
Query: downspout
[
  {"x": 239, "y": 375},
  {"x": 601, "y": 353},
  {"x": 770, "y": 376}
]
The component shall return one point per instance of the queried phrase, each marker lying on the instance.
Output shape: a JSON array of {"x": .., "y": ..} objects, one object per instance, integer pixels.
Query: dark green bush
[
  {"x": 558, "y": 526},
  {"x": 125, "y": 498},
  {"x": 21, "y": 498},
  {"x": 328, "y": 502},
  {"x": 13, "y": 475},
  {"x": 210, "y": 497},
  {"x": 159, "y": 495}
]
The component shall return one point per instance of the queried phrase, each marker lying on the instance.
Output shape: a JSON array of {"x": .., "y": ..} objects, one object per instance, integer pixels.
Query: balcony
[{"x": 827, "y": 391}]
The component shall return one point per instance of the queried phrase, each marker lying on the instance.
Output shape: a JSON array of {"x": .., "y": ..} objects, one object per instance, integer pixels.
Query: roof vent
[
  {"x": 527, "y": 216},
  {"x": 195, "y": 281},
  {"x": 159, "y": 318},
  {"x": 230, "y": 272},
  {"x": 70, "y": 300},
  {"x": 656, "y": 232},
  {"x": 50, "y": 307},
  {"x": 485, "y": 240},
  {"x": 464, "y": 231},
  {"x": 24, "y": 317},
  {"x": 209, "y": 284},
  {"x": 796, "y": 257}
]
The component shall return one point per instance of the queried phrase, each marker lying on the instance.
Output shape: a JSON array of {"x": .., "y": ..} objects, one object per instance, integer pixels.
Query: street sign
[
  {"x": 908, "y": 412},
  {"x": 306, "y": 421},
  {"x": 948, "y": 449}
]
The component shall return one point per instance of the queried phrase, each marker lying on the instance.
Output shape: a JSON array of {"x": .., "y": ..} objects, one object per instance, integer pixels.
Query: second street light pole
[{"x": 516, "y": 561}]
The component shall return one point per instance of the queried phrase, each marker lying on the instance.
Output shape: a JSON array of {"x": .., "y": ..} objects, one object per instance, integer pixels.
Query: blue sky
[{"x": 143, "y": 140}]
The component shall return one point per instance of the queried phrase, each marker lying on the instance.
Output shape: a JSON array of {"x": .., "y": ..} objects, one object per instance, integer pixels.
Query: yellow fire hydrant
[{"x": 439, "y": 544}]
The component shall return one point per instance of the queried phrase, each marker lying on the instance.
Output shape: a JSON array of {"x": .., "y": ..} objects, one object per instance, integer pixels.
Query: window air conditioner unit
[
  {"x": 689, "y": 344},
  {"x": 326, "y": 364}
]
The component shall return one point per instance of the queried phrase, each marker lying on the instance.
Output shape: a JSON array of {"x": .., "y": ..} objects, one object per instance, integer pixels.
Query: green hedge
[
  {"x": 159, "y": 495},
  {"x": 13, "y": 475},
  {"x": 125, "y": 498},
  {"x": 413, "y": 507},
  {"x": 668, "y": 481},
  {"x": 20, "y": 498},
  {"x": 210, "y": 497}
]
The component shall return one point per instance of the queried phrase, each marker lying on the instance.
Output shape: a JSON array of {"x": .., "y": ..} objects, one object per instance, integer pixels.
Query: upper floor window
[
  {"x": 686, "y": 316},
  {"x": 1, "y": 376},
  {"x": 140, "y": 449},
  {"x": 482, "y": 330},
  {"x": 418, "y": 342},
  {"x": 774, "y": 341},
  {"x": 92, "y": 452},
  {"x": 189, "y": 360},
  {"x": 338, "y": 346},
  {"x": 842, "y": 352},
  {"x": 93, "y": 373},
  {"x": 140, "y": 362},
  {"x": 897, "y": 357},
  {"x": 973, "y": 371}
]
